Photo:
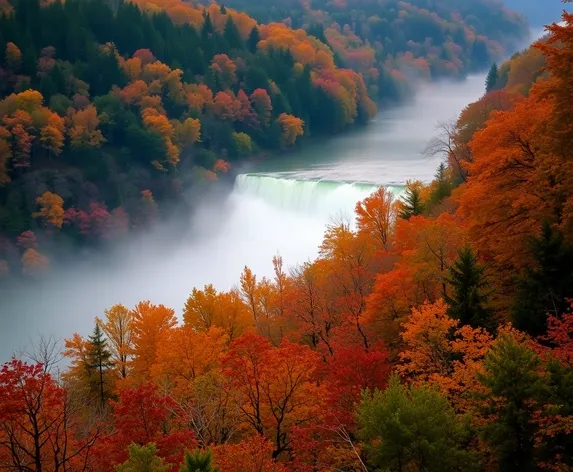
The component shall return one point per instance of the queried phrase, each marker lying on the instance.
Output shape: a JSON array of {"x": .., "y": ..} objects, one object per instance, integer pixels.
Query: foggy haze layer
[{"x": 248, "y": 228}]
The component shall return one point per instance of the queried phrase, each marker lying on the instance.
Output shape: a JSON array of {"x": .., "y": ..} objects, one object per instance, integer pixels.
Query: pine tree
[
  {"x": 443, "y": 186},
  {"x": 413, "y": 205},
  {"x": 514, "y": 390},
  {"x": 99, "y": 361},
  {"x": 223, "y": 10},
  {"x": 546, "y": 285},
  {"x": 317, "y": 30},
  {"x": 232, "y": 35},
  {"x": 254, "y": 38},
  {"x": 143, "y": 459},
  {"x": 468, "y": 302},
  {"x": 207, "y": 28},
  {"x": 492, "y": 78},
  {"x": 412, "y": 428},
  {"x": 198, "y": 461}
]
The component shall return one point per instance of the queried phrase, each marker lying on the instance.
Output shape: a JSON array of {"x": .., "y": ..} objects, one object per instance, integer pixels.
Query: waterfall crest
[{"x": 308, "y": 197}]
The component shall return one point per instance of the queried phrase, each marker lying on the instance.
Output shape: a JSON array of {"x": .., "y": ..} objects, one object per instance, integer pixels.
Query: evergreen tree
[
  {"x": 514, "y": 388},
  {"x": 198, "y": 461},
  {"x": 412, "y": 204},
  {"x": 207, "y": 29},
  {"x": 492, "y": 78},
  {"x": 317, "y": 30},
  {"x": 223, "y": 10},
  {"x": 546, "y": 285},
  {"x": 558, "y": 446},
  {"x": 99, "y": 361},
  {"x": 254, "y": 38},
  {"x": 468, "y": 302},
  {"x": 232, "y": 35},
  {"x": 413, "y": 428},
  {"x": 142, "y": 459},
  {"x": 443, "y": 186}
]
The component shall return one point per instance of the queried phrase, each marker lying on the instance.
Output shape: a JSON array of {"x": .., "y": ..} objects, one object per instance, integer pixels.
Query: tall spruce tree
[
  {"x": 198, "y": 461},
  {"x": 514, "y": 388},
  {"x": 545, "y": 286},
  {"x": 492, "y": 78},
  {"x": 443, "y": 185},
  {"x": 232, "y": 35},
  {"x": 413, "y": 205},
  {"x": 254, "y": 38},
  {"x": 99, "y": 362},
  {"x": 468, "y": 302},
  {"x": 413, "y": 427}
]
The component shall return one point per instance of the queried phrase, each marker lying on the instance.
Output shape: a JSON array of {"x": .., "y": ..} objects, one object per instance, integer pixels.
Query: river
[{"x": 280, "y": 207}]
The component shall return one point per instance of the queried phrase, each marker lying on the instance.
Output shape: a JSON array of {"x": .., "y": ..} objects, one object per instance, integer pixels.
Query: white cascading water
[{"x": 319, "y": 198}]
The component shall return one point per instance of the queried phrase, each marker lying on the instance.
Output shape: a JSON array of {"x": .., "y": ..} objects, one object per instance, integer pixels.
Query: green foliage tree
[
  {"x": 254, "y": 38},
  {"x": 142, "y": 459},
  {"x": 232, "y": 35},
  {"x": 556, "y": 444},
  {"x": 413, "y": 205},
  {"x": 545, "y": 286},
  {"x": 99, "y": 362},
  {"x": 492, "y": 78},
  {"x": 443, "y": 184},
  {"x": 514, "y": 386},
  {"x": 468, "y": 302},
  {"x": 413, "y": 428},
  {"x": 198, "y": 461}
]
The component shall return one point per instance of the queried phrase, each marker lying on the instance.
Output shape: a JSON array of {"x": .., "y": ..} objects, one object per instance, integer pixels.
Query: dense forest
[
  {"x": 110, "y": 112},
  {"x": 419, "y": 38},
  {"x": 436, "y": 336}
]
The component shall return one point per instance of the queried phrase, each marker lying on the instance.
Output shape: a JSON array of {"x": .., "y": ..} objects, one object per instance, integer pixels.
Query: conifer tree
[
  {"x": 546, "y": 285},
  {"x": 254, "y": 38},
  {"x": 143, "y": 459},
  {"x": 99, "y": 361},
  {"x": 492, "y": 78},
  {"x": 412, "y": 428},
  {"x": 232, "y": 35},
  {"x": 443, "y": 187},
  {"x": 413, "y": 205},
  {"x": 514, "y": 388},
  {"x": 468, "y": 302},
  {"x": 198, "y": 461}
]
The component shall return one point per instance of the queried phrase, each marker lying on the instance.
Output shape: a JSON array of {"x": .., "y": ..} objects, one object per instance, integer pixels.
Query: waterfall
[{"x": 321, "y": 198}]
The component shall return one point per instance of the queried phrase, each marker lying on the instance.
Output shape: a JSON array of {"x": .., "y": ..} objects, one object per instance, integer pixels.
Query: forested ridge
[
  {"x": 389, "y": 39},
  {"x": 436, "y": 336},
  {"x": 111, "y": 112}
]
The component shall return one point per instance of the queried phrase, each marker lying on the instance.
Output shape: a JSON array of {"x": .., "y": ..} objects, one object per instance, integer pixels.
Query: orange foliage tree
[
  {"x": 149, "y": 323},
  {"x": 276, "y": 385},
  {"x": 292, "y": 128}
]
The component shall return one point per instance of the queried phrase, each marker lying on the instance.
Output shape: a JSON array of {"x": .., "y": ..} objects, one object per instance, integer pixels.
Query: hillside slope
[{"x": 417, "y": 38}]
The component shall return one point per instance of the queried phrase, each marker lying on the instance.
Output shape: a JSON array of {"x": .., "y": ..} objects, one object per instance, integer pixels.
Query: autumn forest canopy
[
  {"x": 111, "y": 113},
  {"x": 434, "y": 334}
]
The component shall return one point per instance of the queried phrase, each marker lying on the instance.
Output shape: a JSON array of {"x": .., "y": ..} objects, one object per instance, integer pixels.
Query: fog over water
[{"x": 279, "y": 207}]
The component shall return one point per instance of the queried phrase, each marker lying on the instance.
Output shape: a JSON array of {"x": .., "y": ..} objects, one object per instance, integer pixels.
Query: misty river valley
[{"x": 279, "y": 206}]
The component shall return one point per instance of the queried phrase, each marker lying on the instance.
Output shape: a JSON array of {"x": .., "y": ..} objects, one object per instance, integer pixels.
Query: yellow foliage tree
[
  {"x": 118, "y": 327},
  {"x": 83, "y": 129},
  {"x": 52, "y": 209},
  {"x": 207, "y": 308}
]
